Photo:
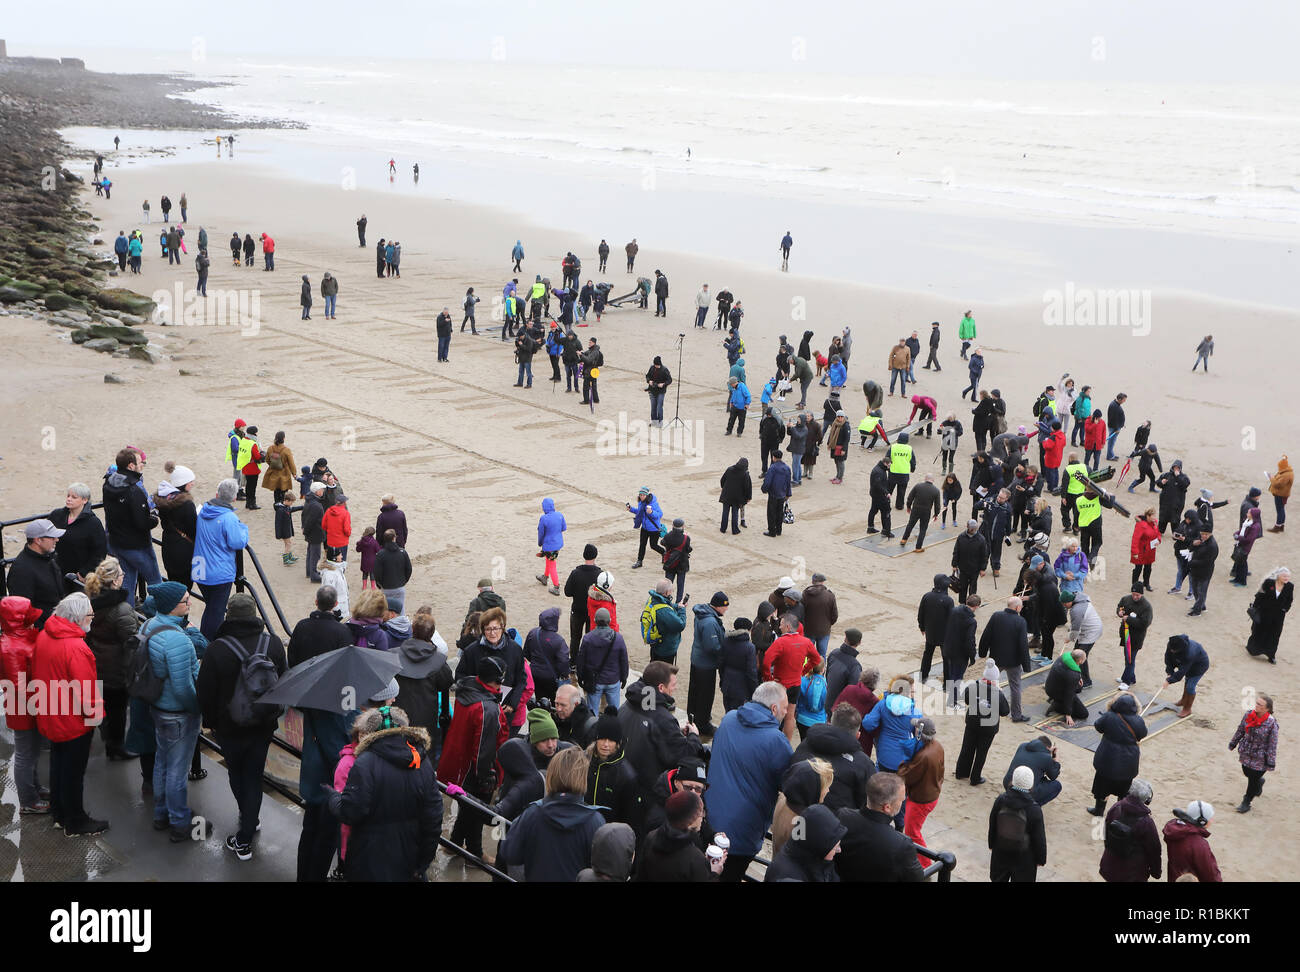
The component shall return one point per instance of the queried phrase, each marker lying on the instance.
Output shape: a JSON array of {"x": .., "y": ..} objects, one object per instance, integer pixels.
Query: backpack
[
  {"x": 275, "y": 460},
  {"x": 650, "y": 623},
  {"x": 673, "y": 556},
  {"x": 1039, "y": 404},
  {"x": 257, "y": 676},
  {"x": 1011, "y": 830},
  {"x": 141, "y": 682},
  {"x": 1121, "y": 840}
]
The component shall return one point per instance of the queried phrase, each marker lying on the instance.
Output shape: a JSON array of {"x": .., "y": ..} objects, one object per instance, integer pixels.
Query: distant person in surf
[
  {"x": 392, "y": 166},
  {"x": 787, "y": 241}
]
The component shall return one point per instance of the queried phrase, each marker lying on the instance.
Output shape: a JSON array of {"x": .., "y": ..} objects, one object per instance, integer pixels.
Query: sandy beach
[{"x": 470, "y": 458}]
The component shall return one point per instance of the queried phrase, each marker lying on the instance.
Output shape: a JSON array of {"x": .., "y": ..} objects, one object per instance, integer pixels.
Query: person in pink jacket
[
  {"x": 928, "y": 408},
  {"x": 347, "y": 756},
  {"x": 17, "y": 643}
]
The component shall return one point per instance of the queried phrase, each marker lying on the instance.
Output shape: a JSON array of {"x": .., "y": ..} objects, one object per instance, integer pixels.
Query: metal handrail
[{"x": 943, "y": 862}]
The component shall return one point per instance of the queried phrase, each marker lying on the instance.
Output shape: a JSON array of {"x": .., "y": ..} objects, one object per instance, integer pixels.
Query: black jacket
[
  {"x": 1036, "y": 852},
  {"x": 959, "y": 636},
  {"x": 576, "y": 585},
  {"x": 612, "y": 788},
  {"x": 842, "y": 669},
  {"x": 672, "y": 540},
  {"x": 651, "y": 735},
  {"x": 511, "y": 656},
  {"x": 851, "y": 766},
  {"x": 661, "y": 286},
  {"x": 1204, "y": 555},
  {"x": 1121, "y": 727},
  {"x": 805, "y": 860},
  {"x": 393, "y": 805},
  {"x": 1114, "y": 416},
  {"x": 443, "y": 325},
  {"x": 179, "y": 518},
  {"x": 552, "y": 839},
  {"x": 923, "y": 500},
  {"x": 737, "y": 486},
  {"x": 113, "y": 624},
  {"x": 1037, "y": 757},
  {"x": 970, "y": 553},
  {"x": 1137, "y": 627},
  {"x": 219, "y": 673},
  {"x": 37, "y": 577},
  {"x": 878, "y": 482},
  {"x": 424, "y": 686},
  {"x": 934, "y": 610},
  {"x": 126, "y": 511},
  {"x": 312, "y": 512},
  {"x": 874, "y": 851},
  {"x": 579, "y": 728},
  {"x": 1062, "y": 686},
  {"x": 546, "y": 650},
  {"x": 315, "y": 635},
  {"x": 84, "y": 545},
  {"x": 737, "y": 669},
  {"x": 1173, "y": 493},
  {"x": 771, "y": 432},
  {"x": 1006, "y": 639},
  {"x": 392, "y": 567},
  {"x": 669, "y": 854},
  {"x": 521, "y": 783},
  {"x": 980, "y": 706}
]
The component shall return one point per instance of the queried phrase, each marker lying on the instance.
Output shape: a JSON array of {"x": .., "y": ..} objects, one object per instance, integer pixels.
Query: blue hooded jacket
[
  {"x": 706, "y": 643},
  {"x": 174, "y": 659},
  {"x": 893, "y": 717},
  {"x": 121, "y": 245},
  {"x": 740, "y": 397},
  {"x": 647, "y": 515},
  {"x": 550, "y": 527},
  {"x": 218, "y": 536},
  {"x": 738, "y": 371},
  {"x": 976, "y": 365},
  {"x": 839, "y": 375},
  {"x": 750, "y": 755},
  {"x": 518, "y": 252},
  {"x": 768, "y": 391}
]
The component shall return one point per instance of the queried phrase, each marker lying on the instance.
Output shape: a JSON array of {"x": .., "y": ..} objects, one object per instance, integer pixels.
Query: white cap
[
  {"x": 182, "y": 476},
  {"x": 784, "y": 583}
]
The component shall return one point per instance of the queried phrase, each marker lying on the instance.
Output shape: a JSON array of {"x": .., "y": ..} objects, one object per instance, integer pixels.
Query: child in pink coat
[
  {"x": 368, "y": 547},
  {"x": 347, "y": 756}
]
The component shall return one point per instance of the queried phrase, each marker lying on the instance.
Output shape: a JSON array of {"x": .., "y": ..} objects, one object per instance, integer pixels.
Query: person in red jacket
[
  {"x": 468, "y": 764},
  {"x": 928, "y": 408},
  {"x": 1188, "y": 840},
  {"x": 788, "y": 659},
  {"x": 337, "y": 524},
  {"x": 1094, "y": 440},
  {"x": 1142, "y": 553},
  {"x": 600, "y": 595},
  {"x": 17, "y": 642},
  {"x": 64, "y": 670},
  {"x": 862, "y": 697},
  {"x": 252, "y": 469},
  {"x": 268, "y": 252},
  {"x": 1053, "y": 450}
]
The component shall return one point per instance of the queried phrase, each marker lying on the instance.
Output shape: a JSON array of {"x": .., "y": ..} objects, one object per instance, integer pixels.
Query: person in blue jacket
[
  {"x": 706, "y": 657},
  {"x": 769, "y": 390},
  {"x": 1185, "y": 659},
  {"x": 550, "y": 537},
  {"x": 555, "y": 348},
  {"x": 737, "y": 404},
  {"x": 838, "y": 373},
  {"x": 646, "y": 517},
  {"x": 517, "y": 254},
  {"x": 218, "y": 536},
  {"x": 976, "y": 366},
  {"x": 120, "y": 246},
  {"x": 750, "y": 755},
  {"x": 897, "y": 742}
]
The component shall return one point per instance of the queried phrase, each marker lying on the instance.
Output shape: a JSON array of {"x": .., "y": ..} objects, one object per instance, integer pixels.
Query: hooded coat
[
  {"x": 1183, "y": 656},
  {"x": 424, "y": 686},
  {"x": 127, "y": 517},
  {"x": 219, "y": 534},
  {"x": 842, "y": 669},
  {"x": 1121, "y": 729},
  {"x": 17, "y": 643},
  {"x": 1189, "y": 852},
  {"x": 820, "y": 611},
  {"x": 391, "y": 518},
  {"x": 851, "y": 767},
  {"x": 552, "y": 839},
  {"x": 62, "y": 657},
  {"x": 896, "y": 743},
  {"x": 1136, "y": 868},
  {"x": 546, "y": 650},
  {"x": 738, "y": 669},
  {"x": 750, "y": 755},
  {"x": 113, "y": 624},
  {"x": 672, "y": 855},
  {"x": 934, "y": 611},
  {"x": 805, "y": 860},
  {"x": 737, "y": 485},
  {"x": 708, "y": 635},
  {"x": 612, "y": 851},
  {"x": 393, "y": 806},
  {"x": 550, "y": 527}
]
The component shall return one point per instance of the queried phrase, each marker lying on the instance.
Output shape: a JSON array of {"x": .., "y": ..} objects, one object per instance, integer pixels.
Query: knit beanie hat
[
  {"x": 167, "y": 595},
  {"x": 1022, "y": 779},
  {"x": 608, "y": 727},
  {"x": 991, "y": 673},
  {"x": 541, "y": 726},
  {"x": 241, "y": 606}
]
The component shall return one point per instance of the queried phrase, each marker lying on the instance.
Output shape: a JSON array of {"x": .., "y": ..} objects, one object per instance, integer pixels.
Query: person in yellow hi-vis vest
[
  {"x": 902, "y": 463},
  {"x": 233, "y": 438},
  {"x": 1087, "y": 515},
  {"x": 1073, "y": 489},
  {"x": 870, "y": 426},
  {"x": 249, "y": 459},
  {"x": 536, "y": 297}
]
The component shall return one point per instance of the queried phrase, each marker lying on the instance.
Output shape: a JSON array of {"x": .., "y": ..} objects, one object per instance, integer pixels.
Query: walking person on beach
[
  {"x": 121, "y": 246},
  {"x": 631, "y": 249},
  {"x": 787, "y": 241},
  {"x": 185, "y": 209},
  {"x": 661, "y": 294},
  {"x": 1279, "y": 486},
  {"x": 361, "y": 229},
  {"x": 1203, "y": 352},
  {"x": 470, "y": 301},
  {"x": 1256, "y": 743},
  {"x": 603, "y": 252},
  {"x": 657, "y": 380},
  {"x": 517, "y": 254},
  {"x": 329, "y": 289},
  {"x": 1268, "y": 613},
  {"x": 305, "y": 298},
  {"x": 166, "y": 205},
  {"x": 592, "y": 359},
  {"x": 381, "y": 257},
  {"x": 201, "y": 264},
  {"x": 135, "y": 251}
]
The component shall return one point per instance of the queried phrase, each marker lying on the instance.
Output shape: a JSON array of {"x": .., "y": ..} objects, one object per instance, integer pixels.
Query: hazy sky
[{"x": 1096, "y": 40}]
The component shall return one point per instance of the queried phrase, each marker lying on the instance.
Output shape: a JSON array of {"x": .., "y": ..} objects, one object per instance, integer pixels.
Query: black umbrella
[{"x": 337, "y": 681}]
